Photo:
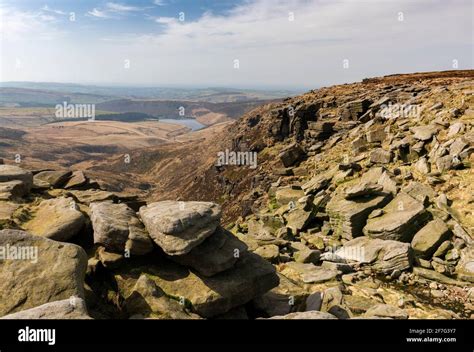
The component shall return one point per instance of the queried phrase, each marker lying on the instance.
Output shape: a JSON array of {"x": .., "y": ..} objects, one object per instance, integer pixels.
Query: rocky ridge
[{"x": 361, "y": 207}]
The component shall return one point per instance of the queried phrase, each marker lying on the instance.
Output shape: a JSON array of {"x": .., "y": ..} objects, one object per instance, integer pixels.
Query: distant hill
[{"x": 213, "y": 94}]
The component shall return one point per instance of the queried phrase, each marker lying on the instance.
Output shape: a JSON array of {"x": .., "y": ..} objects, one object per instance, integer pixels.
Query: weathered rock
[
  {"x": 178, "y": 227},
  {"x": 386, "y": 311},
  {"x": 55, "y": 179},
  {"x": 269, "y": 252},
  {"x": 209, "y": 296},
  {"x": 44, "y": 271},
  {"x": 298, "y": 219},
  {"x": 307, "y": 255},
  {"x": 12, "y": 190},
  {"x": 426, "y": 241},
  {"x": 285, "y": 195},
  {"x": 71, "y": 308},
  {"x": 217, "y": 253},
  {"x": 281, "y": 300},
  {"x": 363, "y": 189},
  {"x": 308, "y": 273},
  {"x": 148, "y": 300},
  {"x": 436, "y": 276},
  {"x": 92, "y": 195},
  {"x": 377, "y": 134},
  {"x": 421, "y": 192},
  {"x": 58, "y": 219},
  {"x": 14, "y": 173},
  {"x": 424, "y": 133},
  {"x": 422, "y": 166},
  {"x": 7, "y": 209},
  {"x": 444, "y": 163},
  {"x": 465, "y": 267},
  {"x": 77, "y": 179},
  {"x": 380, "y": 156},
  {"x": 316, "y": 184},
  {"x": 117, "y": 228},
  {"x": 314, "y": 301},
  {"x": 402, "y": 217},
  {"x": 348, "y": 217},
  {"x": 383, "y": 256},
  {"x": 312, "y": 314},
  {"x": 109, "y": 260},
  {"x": 291, "y": 155}
]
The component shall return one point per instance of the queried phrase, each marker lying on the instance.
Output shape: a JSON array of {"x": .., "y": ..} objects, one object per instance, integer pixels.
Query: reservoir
[{"x": 190, "y": 123}]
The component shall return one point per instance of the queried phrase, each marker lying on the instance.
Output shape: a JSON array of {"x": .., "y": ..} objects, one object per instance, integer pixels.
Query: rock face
[
  {"x": 51, "y": 178},
  {"x": 71, "y": 308},
  {"x": 47, "y": 271},
  {"x": 250, "y": 277},
  {"x": 178, "y": 227},
  {"x": 383, "y": 256},
  {"x": 117, "y": 228},
  {"x": 348, "y": 217},
  {"x": 428, "y": 239},
  {"x": 58, "y": 219},
  {"x": 465, "y": 267},
  {"x": 14, "y": 173},
  {"x": 401, "y": 218},
  {"x": 291, "y": 155},
  {"x": 12, "y": 190},
  {"x": 148, "y": 300},
  {"x": 217, "y": 253}
]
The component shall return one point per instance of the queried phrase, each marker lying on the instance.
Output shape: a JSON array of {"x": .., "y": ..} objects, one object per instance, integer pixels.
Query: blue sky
[{"x": 244, "y": 43}]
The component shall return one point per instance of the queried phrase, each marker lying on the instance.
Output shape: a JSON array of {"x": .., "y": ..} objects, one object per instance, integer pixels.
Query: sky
[{"x": 294, "y": 44}]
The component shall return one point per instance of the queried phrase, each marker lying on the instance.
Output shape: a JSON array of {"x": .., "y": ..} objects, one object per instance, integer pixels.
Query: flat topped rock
[
  {"x": 12, "y": 173},
  {"x": 383, "y": 255},
  {"x": 117, "y": 228},
  {"x": 403, "y": 216},
  {"x": 76, "y": 180},
  {"x": 363, "y": 189},
  {"x": 58, "y": 219},
  {"x": 424, "y": 133},
  {"x": 178, "y": 227},
  {"x": 52, "y": 178},
  {"x": 92, "y": 195},
  {"x": 38, "y": 271}
]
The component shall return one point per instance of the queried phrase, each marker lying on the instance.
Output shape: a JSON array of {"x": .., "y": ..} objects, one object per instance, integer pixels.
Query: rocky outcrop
[
  {"x": 428, "y": 239},
  {"x": 178, "y": 227},
  {"x": 383, "y": 256},
  {"x": 117, "y": 228},
  {"x": 37, "y": 271},
  {"x": 58, "y": 219},
  {"x": 399, "y": 221}
]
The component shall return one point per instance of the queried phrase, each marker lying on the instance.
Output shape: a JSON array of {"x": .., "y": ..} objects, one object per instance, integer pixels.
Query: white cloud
[
  {"x": 16, "y": 25},
  {"x": 95, "y": 12},
  {"x": 272, "y": 49},
  {"x": 165, "y": 20},
  {"x": 159, "y": 2},
  {"x": 57, "y": 12},
  {"x": 116, "y": 7}
]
